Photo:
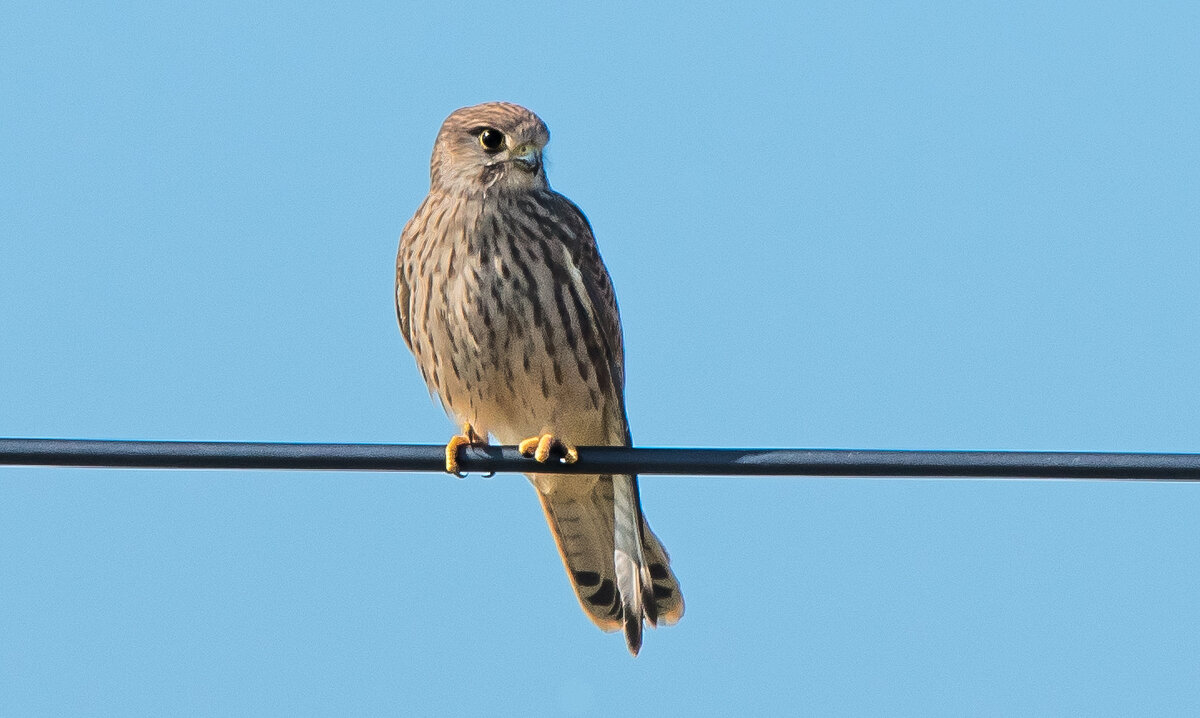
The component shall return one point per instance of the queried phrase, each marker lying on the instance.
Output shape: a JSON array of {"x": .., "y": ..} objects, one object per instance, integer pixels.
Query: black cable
[{"x": 605, "y": 460}]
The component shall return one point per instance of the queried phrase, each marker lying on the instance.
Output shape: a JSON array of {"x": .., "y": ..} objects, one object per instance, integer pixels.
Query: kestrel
[{"x": 510, "y": 314}]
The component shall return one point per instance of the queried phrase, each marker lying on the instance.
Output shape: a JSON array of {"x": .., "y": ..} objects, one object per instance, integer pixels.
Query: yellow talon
[
  {"x": 539, "y": 448},
  {"x": 468, "y": 437}
]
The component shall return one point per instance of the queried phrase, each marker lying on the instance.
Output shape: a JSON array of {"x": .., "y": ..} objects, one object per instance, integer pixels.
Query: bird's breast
[{"x": 507, "y": 356}]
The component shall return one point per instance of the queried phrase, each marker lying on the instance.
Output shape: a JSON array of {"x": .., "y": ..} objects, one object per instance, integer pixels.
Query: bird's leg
[
  {"x": 539, "y": 447},
  {"x": 468, "y": 437}
]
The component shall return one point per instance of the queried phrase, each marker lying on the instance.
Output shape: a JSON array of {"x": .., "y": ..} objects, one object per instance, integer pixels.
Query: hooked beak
[{"x": 527, "y": 158}]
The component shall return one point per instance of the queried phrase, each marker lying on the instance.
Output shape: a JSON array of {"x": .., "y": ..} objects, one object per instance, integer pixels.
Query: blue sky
[{"x": 939, "y": 226}]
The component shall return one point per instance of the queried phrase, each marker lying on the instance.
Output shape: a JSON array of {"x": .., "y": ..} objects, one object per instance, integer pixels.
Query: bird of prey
[{"x": 511, "y": 316}]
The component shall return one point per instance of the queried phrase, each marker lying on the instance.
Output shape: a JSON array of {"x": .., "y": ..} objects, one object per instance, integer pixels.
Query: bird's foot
[
  {"x": 539, "y": 447},
  {"x": 468, "y": 437}
]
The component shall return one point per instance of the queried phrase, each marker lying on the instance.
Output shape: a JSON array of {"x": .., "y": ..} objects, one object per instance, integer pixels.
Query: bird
[{"x": 510, "y": 313}]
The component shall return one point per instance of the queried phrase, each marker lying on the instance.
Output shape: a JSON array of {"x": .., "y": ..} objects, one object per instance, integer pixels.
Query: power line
[{"x": 604, "y": 460}]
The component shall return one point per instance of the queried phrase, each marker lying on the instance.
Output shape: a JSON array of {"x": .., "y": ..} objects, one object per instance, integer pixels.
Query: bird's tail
[
  {"x": 629, "y": 560},
  {"x": 620, "y": 571}
]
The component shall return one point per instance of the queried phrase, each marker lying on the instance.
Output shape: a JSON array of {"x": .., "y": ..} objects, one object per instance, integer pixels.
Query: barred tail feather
[
  {"x": 629, "y": 560},
  {"x": 617, "y": 566}
]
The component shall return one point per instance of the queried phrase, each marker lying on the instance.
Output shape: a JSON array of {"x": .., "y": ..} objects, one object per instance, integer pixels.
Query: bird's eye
[{"x": 491, "y": 139}]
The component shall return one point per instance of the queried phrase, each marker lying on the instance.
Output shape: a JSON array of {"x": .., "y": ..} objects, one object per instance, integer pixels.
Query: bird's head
[{"x": 493, "y": 147}]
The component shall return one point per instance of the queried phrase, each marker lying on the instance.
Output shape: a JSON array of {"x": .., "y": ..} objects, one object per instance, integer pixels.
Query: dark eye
[{"x": 491, "y": 139}]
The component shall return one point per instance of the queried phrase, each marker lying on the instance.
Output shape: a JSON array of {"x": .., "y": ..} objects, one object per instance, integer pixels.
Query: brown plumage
[{"x": 510, "y": 313}]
